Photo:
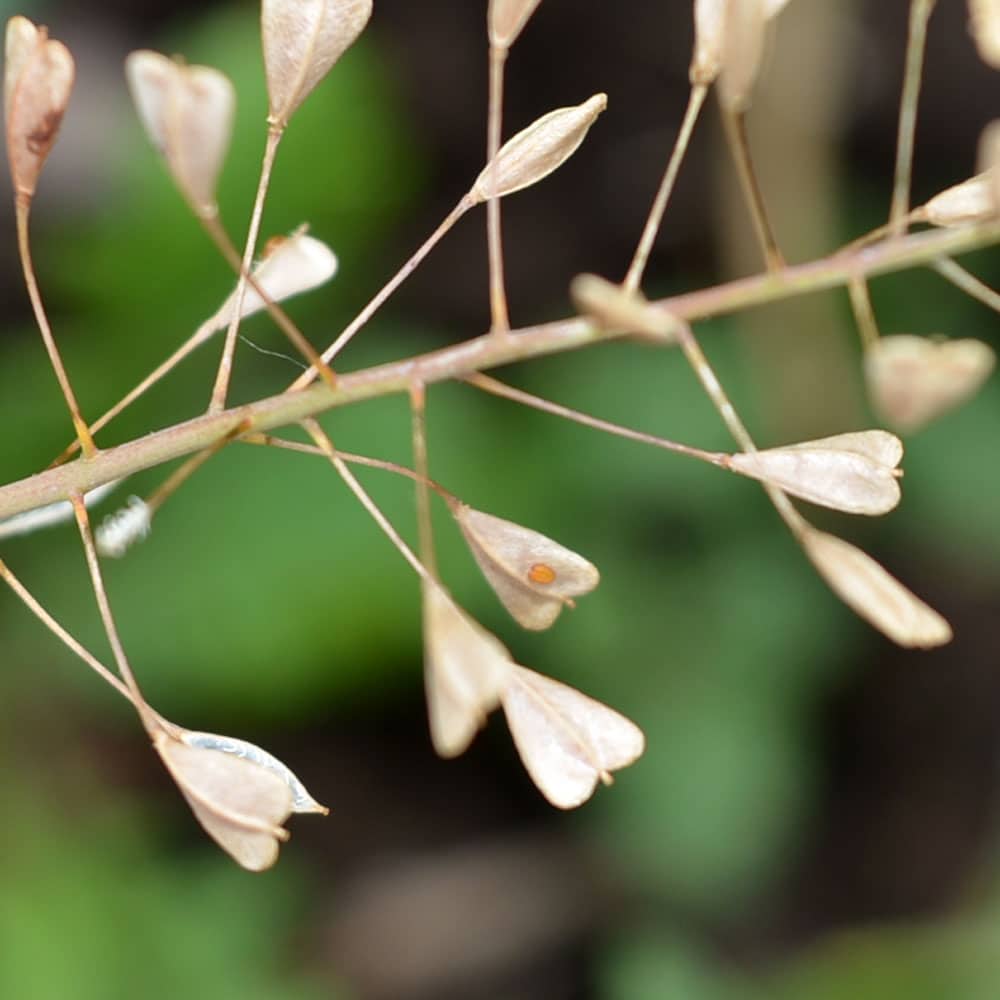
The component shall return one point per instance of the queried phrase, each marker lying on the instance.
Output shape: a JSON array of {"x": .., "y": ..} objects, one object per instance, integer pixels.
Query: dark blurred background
[{"x": 816, "y": 814}]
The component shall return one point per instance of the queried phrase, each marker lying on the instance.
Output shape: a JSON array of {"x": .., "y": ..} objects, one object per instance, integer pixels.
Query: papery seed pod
[
  {"x": 538, "y": 150},
  {"x": 865, "y": 587},
  {"x": 855, "y": 473},
  {"x": 38, "y": 82},
  {"x": 118, "y": 532},
  {"x": 709, "y": 34},
  {"x": 465, "y": 668},
  {"x": 506, "y": 20},
  {"x": 742, "y": 52},
  {"x": 989, "y": 157},
  {"x": 240, "y": 804},
  {"x": 973, "y": 200},
  {"x": 187, "y": 112},
  {"x": 290, "y": 265},
  {"x": 984, "y": 23},
  {"x": 533, "y": 576},
  {"x": 566, "y": 740},
  {"x": 772, "y": 8},
  {"x": 302, "y": 40},
  {"x": 302, "y": 801},
  {"x": 912, "y": 380},
  {"x": 615, "y": 309}
]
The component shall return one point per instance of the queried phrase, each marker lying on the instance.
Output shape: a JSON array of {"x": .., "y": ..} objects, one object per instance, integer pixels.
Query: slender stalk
[
  {"x": 706, "y": 375},
  {"x": 968, "y": 283},
  {"x": 23, "y": 212},
  {"x": 478, "y": 354},
  {"x": 308, "y": 377},
  {"x": 498, "y": 291},
  {"x": 696, "y": 101},
  {"x": 920, "y": 13},
  {"x": 222, "y": 379},
  {"x": 284, "y": 322},
  {"x": 418, "y": 411},
  {"x": 864, "y": 312},
  {"x": 148, "y": 716},
  {"x": 497, "y": 388},
  {"x": 317, "y": 434},
  {"x": 60, "y": 633},
  {"x": 739, "y": 145}
]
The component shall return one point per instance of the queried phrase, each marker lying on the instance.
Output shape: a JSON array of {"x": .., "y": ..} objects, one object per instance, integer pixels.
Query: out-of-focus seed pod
[
  {"x": 566, "y": 740},
  {"x": 506, "y": 20},
  {"x": 538, "y": 150},
  {"x": 302, "y": 41},
  {"x": 743, "y": 49},
  {"x": 912, "y": 380},
  {"x": 38, "y": 82},
  {"x": 984, "y": 23},
  {"x": 973, "y": 200},
  {"x": 865, "y": 586},
  {"x": 615, "y": 309},
  {"x": 187, "y": 112}
]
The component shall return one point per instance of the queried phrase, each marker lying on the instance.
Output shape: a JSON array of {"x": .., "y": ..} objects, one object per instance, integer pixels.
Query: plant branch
[{"x": 476, "y": 355}]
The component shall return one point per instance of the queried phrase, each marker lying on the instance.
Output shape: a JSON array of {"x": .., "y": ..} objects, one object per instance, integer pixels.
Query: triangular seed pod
[
  {"x": 465, "y": 669},
  {"x": 855, "y": 473},
  {"x": 187, "y": 111},
  {"x": 973, "y": 200},
  {"x": 302, "y": 801},
  {"x": 743, "y": 49},
  {"x": 290, "y": 265},
  {"x": 507, "y": 18},
  {"x": 984, "y": 23},
  {"x": 865, "y": 587},
  {"x": 240, "y": 804},
  {"x": 538, "y": 150},
  {"x": 912, "y": 380},
  {"x": 533, "y": 576},
  {"x": 38, "y": 81},
  {"x": 709, "y": 33},
  {"x": 567, "y": 741},
  {"x": 302, "y": 40}
]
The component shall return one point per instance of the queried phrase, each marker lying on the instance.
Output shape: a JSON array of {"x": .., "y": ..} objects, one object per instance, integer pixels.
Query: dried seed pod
[
  {"x": 240, "y": 804},
  {"x": 912, "y": 380},
  {"x": 855, "y": 473},
  {"x": 538, "y": 150},
  {"x": 290, "y": 265},
  {"x": 302, "y": 801},
  {"x": 615, "y": 309},
  {"x": 973, "y": 200},
  {"x": 506, "y": 20},
  {"x": 187, "y": 112},
  {"x": 709, "y": 34},
  {"x": 533, "y": 576},
  {"x": 772, "y": 8},
  {"x": 875, "y": 595},
  {"x": 465, "y": 668},
  {"x": 989, "y": 157},
  {"x": 742, "y": 51},
  {"x": 984, "y": 23},
  {"x": 567, "y": 741},
  {"x": 38, "y": 82},
  {"x": 120, "y": 531},
  {"x": 302, "y": 40}
]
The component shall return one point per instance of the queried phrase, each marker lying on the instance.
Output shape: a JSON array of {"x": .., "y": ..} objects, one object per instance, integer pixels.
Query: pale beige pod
[
  {"x": 865, "y": 587},
  {"x": 302, "y": 41},
  {"x": 240, "y": 805},
  {"x": 709, "y": 33},
  {"x": 38, "y": 82},
  {"x": 506, "y": 20},
  {"x": 984, "y": 23},
  {"x": 465, "y": 669},
  {"x": 742, "y": 52},
  {"x": 534, "y": 576},
  {"x": 973, "y": 200},
  {"x": 856, "y": 473},
  {"x": 566, "y": 740},
  {"x": 187, "y": 112},
  {"x": 615, "y": 309},
  {"x": 912, "y": 380},
  {"x": 538, "y": 150}
]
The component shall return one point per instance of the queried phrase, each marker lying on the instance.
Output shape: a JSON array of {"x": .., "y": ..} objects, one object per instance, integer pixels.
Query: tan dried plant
[{"x": 569, "y": 743}]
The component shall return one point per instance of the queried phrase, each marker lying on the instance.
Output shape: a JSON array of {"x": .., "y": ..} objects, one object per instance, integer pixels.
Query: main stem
[
  {"x": 494, "y": 235},
  {"x": 476, "y": 355}
]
